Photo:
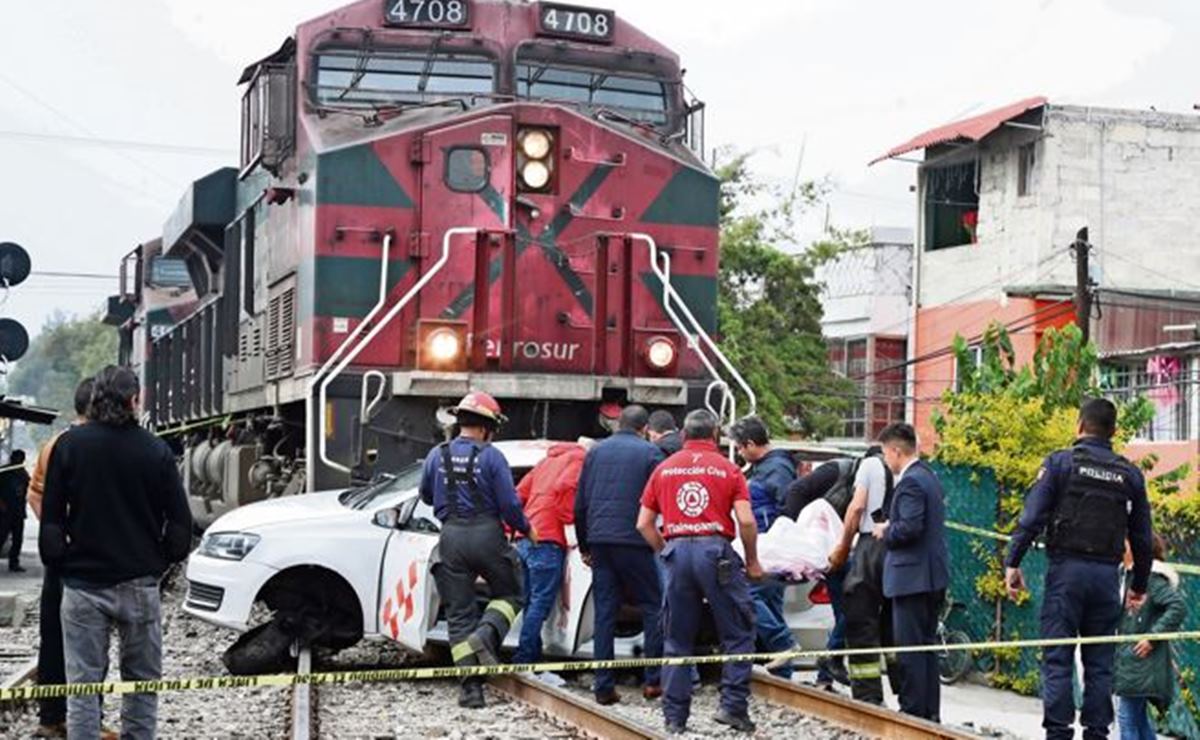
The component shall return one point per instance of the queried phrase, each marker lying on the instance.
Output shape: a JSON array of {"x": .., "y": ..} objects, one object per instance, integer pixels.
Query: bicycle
[{"x": 953, "y": 665}]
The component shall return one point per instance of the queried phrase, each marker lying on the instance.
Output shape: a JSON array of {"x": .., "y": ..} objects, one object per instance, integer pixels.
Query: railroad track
[
  {"x": 586, "y": 715},
  {"x": 302, "y": 712},
  {"x": 857, "y": 716},
  {"x": 23, "y": 672},
  {"x": 597, "y": 721}
]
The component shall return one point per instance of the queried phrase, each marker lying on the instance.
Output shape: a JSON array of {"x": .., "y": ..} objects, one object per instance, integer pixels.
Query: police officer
[
  {"x": 695, "y": 491},
  {"x": 470, "y": 486},
  {"x": 1089, "y": 499}
]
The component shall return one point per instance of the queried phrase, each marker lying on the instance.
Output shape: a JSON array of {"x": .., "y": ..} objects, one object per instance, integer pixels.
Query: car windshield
[
  {"x": 640, "y": 98},
  {"x": 385, "y": 484},
  {"x": 358, "y": 78}
]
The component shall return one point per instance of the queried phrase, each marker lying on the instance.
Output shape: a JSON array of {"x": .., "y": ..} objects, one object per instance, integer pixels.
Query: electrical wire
[
  {"x": 145, "y": 146},
  {"x": 1148, "y": 270},
  {"x": 1058, "y": 309},
  {"x": 997, "y": 283},
  {"x": 81, "y": 275},
  {"x": 85, "y": 130}
]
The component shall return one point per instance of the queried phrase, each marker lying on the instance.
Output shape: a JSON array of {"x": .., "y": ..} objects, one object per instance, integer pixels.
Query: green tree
[
  {"x": 768, "y": 303},
  {"x": 66, "y": 350}
]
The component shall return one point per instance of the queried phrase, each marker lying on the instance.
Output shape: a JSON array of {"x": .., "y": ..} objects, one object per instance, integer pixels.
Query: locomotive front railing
[
  {"x": 697, "y": 337},
  {"x": 353, "y": 352}
]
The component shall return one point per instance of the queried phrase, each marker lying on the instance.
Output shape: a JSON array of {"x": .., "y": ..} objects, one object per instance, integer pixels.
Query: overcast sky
[{"x": 840, "y": 80}]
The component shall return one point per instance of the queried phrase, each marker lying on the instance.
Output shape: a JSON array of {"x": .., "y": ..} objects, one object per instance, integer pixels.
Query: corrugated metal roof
[{"x": 970, "y": 129}]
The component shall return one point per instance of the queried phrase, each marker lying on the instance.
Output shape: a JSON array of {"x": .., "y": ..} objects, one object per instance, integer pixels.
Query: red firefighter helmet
[{"x": 480, "y": 404}]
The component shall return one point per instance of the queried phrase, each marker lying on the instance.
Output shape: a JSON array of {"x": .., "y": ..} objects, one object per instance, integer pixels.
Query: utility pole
[{"x": 1083, "y": 283}]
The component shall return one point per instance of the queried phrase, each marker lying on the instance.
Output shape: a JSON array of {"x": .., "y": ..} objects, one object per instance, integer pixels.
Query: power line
[
  {"x": 1056, "y": 309},
  {"x": 145, "y": 146},
  {"x": 79, "y": 126},
  {"x": 997, "y": 283},
  {"x": 86, "y": 275},
  {"x": 1145, "y": 269}
]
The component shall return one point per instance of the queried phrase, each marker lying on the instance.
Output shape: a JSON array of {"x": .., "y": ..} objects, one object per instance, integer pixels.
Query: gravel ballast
[{"x": 190, "y": 648}]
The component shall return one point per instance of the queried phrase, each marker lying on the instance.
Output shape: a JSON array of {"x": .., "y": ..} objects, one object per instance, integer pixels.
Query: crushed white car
[{"x": 335, "y": 567}]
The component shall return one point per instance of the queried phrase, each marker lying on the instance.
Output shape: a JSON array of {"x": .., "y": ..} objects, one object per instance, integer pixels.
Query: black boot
[
  {"x": 739, "y": 722},
  {"x": 470, "y": 694}
]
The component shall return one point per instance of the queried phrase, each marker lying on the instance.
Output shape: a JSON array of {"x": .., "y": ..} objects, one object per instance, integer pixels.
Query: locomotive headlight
[
  {"x": 535, "y": 174},
  {"x": 536, "y": 144},
  {"x": 444, "y": 345},
  {"x": 660, "y": 353}
]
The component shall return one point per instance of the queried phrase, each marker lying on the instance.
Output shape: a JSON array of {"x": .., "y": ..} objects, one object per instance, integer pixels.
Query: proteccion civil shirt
[{"x": 694, "y": 491}]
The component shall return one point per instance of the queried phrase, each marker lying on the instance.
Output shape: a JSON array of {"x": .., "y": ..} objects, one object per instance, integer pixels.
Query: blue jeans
[
  {"x": 837, "y": 635},
  {"x": 88, "y": 615},
  {"x": 771, "y": 629},
  {"x": 621, "y": 572},
  {"x": 1133, "y": 717},
  {"x": 543, "y": 566}
]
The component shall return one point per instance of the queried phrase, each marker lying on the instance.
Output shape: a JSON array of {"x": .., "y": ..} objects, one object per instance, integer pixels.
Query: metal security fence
[{"x": 973, "y": 498}]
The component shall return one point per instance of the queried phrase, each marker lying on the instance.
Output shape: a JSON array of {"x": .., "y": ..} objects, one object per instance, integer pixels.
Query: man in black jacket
[
  {"x": 663, "y": 431},
  {"x": 114, "y": 517},
  {"x": 13, "y": 484}
]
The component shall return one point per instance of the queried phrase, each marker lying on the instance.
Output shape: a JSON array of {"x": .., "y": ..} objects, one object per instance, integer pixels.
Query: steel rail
[
  {"x": 302, "y": 710},
  {"x": 585, "y": 715},
  {"x": 26, "y": 674},
  {"x": 857, "y": 716}
]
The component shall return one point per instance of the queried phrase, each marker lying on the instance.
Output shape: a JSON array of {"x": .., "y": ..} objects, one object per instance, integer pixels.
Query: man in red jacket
[{"x": 547, "y": 494}]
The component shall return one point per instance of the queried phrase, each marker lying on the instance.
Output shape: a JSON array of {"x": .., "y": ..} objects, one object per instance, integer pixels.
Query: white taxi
[{"x": 337, "y": 566}]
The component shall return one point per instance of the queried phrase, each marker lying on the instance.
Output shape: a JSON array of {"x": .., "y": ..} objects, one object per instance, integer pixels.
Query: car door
[{"x": 408, "y": 600}]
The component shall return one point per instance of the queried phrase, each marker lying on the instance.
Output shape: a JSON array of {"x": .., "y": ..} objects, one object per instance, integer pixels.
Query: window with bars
[{"x": 1165, "y": 382}]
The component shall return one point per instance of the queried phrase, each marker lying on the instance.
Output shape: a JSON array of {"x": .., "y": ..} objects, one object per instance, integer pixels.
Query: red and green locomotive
[{"x": 434, "y": 196}]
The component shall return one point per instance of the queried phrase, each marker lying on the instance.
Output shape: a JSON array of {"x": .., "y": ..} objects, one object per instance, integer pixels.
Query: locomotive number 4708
[
  {"x": 428, "y": 13},
  {"x": 588, "y": 24}
]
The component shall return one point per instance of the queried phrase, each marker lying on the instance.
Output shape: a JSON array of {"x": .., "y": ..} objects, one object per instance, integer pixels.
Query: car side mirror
[{"x": 387, "y": 518}]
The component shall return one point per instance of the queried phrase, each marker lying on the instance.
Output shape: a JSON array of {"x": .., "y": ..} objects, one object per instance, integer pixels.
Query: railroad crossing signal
[{"x": 14, "y": 269}]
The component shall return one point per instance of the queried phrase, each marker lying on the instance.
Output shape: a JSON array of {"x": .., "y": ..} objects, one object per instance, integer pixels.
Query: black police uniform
[
  {"x": 1089, "y": 499},
  {"x": 470, "y": 486}
]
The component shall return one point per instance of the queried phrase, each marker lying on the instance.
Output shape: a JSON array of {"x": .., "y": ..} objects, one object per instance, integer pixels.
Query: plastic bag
[{"x": 799, "y": 550}]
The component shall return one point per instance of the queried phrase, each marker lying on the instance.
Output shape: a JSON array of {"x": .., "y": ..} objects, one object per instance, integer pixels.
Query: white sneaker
[{"x": 782, "y": 661}]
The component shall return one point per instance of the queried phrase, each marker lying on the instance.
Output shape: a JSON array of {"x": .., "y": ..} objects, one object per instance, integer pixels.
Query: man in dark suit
[{"x": 915, "y": 572}]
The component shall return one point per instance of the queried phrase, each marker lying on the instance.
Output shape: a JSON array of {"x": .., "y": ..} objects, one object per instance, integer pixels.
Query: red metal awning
[{"x": 970, "y": 129}]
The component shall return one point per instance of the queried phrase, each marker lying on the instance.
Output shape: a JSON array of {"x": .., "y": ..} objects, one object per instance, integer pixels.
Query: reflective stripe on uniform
[
  {"x": 461, "y": 651},
  {"x": 864, "y": 670},
  {"x": 504, "y": 608}
]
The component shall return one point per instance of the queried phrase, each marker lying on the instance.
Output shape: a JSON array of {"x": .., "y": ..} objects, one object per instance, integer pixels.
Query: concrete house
[{"x": 1001, "y": 197}]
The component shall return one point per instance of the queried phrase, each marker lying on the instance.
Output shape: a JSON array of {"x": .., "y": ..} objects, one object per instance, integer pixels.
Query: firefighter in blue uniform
[
  {"x": 1089, "y": 499},
  {"x": 470, "y": 486}
]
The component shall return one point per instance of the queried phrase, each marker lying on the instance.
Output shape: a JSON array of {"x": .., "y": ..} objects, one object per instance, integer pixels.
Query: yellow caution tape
[
  {"x": 334, "y": 678},
  {"x": 967, "y": 529}
]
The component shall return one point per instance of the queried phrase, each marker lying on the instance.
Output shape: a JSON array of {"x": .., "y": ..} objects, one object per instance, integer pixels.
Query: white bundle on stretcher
[{"x": 799, "y": 550}]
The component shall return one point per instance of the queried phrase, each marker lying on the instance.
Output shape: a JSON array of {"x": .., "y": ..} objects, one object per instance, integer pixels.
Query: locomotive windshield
[
  {"x": 640, "y": 98},
  {"x": 353, "y": 77}
]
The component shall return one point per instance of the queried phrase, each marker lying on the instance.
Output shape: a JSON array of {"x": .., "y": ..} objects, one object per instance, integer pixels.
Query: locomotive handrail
[
  {"x": 310, "y": 429},
  {"x": 698, "y": 334},
  {"x": 397, "y": 307},
  {"x": 364, "y": 408}
]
